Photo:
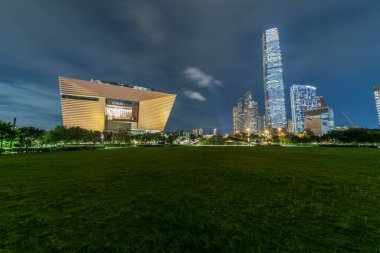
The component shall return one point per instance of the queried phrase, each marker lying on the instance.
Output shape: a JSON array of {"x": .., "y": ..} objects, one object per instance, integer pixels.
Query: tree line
[
  {"x": 15, "y": 138},
  {"x": 27, "y": 138}
]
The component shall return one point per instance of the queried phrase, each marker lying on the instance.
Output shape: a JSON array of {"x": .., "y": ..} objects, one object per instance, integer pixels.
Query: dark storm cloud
[{"x": 331, "y": 44}]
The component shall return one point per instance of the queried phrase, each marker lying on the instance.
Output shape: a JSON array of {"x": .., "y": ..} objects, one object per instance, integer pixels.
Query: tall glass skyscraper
[
  {"x": 302, "y": 98},
  {"x": 376, "y": 91},
  {"x": 275, "y": 111}
]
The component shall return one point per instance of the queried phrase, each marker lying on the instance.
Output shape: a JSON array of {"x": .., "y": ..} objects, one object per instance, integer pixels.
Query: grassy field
[{"x": 194, "y": 199}]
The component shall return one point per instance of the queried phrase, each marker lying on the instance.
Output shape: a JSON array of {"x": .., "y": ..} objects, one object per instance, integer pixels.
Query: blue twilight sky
[{"x": 206, "y": 51}]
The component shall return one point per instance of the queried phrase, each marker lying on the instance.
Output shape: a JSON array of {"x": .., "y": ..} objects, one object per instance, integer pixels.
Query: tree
[
  {"x": 5, "y": 131},
  {"x": 76, "y": 134},
  {"x": 55, "y": 136},
  {"x": 29, "y": 135}
]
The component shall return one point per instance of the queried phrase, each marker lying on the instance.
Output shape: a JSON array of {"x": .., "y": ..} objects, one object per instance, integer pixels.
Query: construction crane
[{"x": 348, "y": 119}]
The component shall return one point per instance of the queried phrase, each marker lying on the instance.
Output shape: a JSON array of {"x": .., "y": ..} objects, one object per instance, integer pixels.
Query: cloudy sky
[{"x": 208, "y": 52}]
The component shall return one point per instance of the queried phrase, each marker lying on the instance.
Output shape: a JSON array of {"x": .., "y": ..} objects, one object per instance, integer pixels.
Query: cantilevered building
[
  {"x": 376, "y": 91},
  {"x": 319, "y": 120},
  {"x": 275, "y": 111},
  {"x": 106, "y": 106}
]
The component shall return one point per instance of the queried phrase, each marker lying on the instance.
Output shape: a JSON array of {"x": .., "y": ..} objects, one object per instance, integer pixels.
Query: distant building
[
  {"x": 342, "y": 128},
  {"x": 320, "y": 120},
  {"x": 376, "y": 91},
  {"x": 215, "y": 131},
  {"x": 240, "y": 115},
  {"x": 302, "y": 98},
  {"x": 198, "y": 131},
  {"x": 245, "y": 115},
  {"x": 250, "y": 113},
  {"x": 275, "y": 110},
  {"x": 290, "y": 126},
  {"x": 261, "y": 122},
  {"x": 320, "y": 101},
  {"x": 107, "y": 106},
  {"x": 234, "y": 120}
]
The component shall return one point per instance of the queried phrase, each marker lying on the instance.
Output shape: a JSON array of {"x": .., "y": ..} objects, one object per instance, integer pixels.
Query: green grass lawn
[{"x": 191, "y": 199}]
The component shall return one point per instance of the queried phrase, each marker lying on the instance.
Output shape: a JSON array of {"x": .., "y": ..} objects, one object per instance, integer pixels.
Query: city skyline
[{"x": 152, "y": 44}]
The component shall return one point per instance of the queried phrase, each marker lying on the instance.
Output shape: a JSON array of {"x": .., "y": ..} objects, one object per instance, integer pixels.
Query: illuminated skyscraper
[
  {"x": 245, "y": 115},
  {"x": 376, "y": 91},
  {"x": 234, "y": 121},
  {"x": 302, "y": 98},
  {"x": 250, "y": 113},
  {"x": 240, "y": 115},
  {"x": 273, "y": 80}
]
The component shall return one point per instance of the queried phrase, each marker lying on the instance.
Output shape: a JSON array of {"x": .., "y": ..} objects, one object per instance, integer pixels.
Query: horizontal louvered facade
[{"x": 84, "y": 104}]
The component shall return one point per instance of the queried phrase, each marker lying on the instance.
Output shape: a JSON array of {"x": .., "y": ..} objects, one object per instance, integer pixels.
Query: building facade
[
  {"x": 274, "y": 92},
  {"x": 107, "y": 106},
  {"x": 320, "y": 120},
  {"x": 234, "y": 120},
  {"x": 261, "y": 122},
  {"x": 376, "y": 91},
  {"x": 302, "y": 98}
]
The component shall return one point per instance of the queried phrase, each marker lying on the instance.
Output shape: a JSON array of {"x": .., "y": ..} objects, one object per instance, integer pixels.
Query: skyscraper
[
  {"x": 273, "y": 80},
  {"x": 250, "y": 113},
  {"x": 302, "y": 98},
  {"x": 376, "y": 91},
  {"x": 245, "y": 115},
  {"x": 234, "y": 120},
  {"x": 240, "y": 115}
]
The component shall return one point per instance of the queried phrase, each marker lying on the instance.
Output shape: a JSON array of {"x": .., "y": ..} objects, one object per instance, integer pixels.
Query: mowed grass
[{"x": 191, "y": 199}]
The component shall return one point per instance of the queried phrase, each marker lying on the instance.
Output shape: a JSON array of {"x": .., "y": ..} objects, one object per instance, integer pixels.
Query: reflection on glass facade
[
  {"x": 376, "y": 91},
  {"x": 302, "y": 98},
  {"x": 273, "y": 80}
]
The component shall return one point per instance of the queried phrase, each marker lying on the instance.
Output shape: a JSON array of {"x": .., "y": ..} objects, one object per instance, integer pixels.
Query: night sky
[{"x": 208, "y": 52}]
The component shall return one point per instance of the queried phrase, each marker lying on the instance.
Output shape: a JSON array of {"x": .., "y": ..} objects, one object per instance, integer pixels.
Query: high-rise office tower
[
  {"x": 240, "y": 116},
  {"x": 245, "y": 115},
  {"x": 250, "y": 113},
  {"x": 376, "y": 91},
  {"x": 275, "y": 110},
  {"x": 234, "y": 120},
  {"x": 261, "y": 125},
  {"x": 302, "y": 98},
  {"x": 320, "y": 101}
]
